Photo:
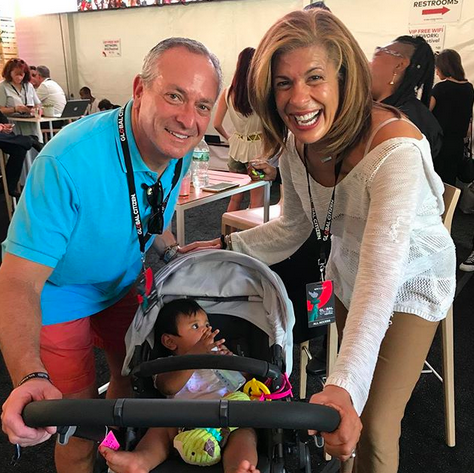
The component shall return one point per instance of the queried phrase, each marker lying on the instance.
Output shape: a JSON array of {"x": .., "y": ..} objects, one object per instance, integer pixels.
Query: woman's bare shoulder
[{"x": 395, "y": 129}]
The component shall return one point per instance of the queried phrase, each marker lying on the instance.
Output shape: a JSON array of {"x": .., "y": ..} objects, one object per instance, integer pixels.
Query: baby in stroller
[{"x": 183, "y": 329}]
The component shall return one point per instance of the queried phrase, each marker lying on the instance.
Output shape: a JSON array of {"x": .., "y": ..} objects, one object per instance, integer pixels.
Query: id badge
[
  {"x": 320, "y": 303},
  {"x": 146, "y": 291}
]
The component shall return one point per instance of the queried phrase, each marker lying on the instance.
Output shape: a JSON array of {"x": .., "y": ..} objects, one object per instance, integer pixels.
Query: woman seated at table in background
[
  {"x": 392, "y": 260},
  {"x": 245, "y": 144},
  {"x": 17, "y": 95}
]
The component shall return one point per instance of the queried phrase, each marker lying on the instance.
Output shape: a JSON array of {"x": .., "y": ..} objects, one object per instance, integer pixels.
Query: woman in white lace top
[{"x": 392, "y": 261}]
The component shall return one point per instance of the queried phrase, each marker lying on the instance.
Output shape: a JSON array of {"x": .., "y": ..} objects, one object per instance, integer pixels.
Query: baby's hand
[
  {"x": 206, "y": 343},
  {"x": 223, "y": 350}
]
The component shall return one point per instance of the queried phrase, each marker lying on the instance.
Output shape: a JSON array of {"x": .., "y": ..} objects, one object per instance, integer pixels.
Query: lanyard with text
[
  {"x": 320, "y": 295},
  {"x": 137, "y": 221},
  {"x": 145, "y": 286},
  {"x": 323, "y": 236}
]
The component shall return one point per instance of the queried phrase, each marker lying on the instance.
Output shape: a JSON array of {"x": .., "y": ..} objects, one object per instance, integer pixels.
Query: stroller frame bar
[
  {"x": 192, "y": 362},
  {"x": 179, "y": 413}
]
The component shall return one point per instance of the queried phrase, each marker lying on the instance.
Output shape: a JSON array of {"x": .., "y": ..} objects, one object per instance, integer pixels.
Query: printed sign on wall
[
  {"x": 445, "y": 11},
  {"x": 433, "y": 35},
  {"x": 112, "y": 48}
]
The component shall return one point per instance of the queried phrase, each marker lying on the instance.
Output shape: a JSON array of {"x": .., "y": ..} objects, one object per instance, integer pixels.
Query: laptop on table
[{"x": 74, "y": 108}]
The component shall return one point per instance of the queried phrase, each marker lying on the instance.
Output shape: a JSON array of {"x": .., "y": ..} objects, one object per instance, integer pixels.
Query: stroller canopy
[{"x": 224, "y": 282}]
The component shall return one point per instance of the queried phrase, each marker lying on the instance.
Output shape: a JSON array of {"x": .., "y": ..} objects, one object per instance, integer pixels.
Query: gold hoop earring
[{"x": 392, "y": 82}]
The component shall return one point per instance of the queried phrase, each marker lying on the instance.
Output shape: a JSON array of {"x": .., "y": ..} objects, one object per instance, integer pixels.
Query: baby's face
[{"x": 190, "y": 330}]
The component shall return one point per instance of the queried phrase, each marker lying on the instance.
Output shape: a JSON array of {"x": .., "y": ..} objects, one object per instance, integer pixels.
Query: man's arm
[
  {"x": 42, "y": 92},
  {"x": 21, "y": 283}
]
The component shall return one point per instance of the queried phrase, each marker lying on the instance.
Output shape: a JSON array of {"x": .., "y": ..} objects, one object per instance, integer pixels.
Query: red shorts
[{"x": 67, "y": 349}]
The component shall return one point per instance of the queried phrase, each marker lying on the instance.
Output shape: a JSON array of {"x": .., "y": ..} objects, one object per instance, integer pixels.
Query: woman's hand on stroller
[
  {"x": 342, "y": 442},
  {"x": 12, "y": 422},
  {"x": 201, "y": 245}
]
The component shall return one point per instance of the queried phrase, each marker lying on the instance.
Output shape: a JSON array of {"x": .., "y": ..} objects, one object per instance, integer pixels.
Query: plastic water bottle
[{"x": 200, "y": 166}]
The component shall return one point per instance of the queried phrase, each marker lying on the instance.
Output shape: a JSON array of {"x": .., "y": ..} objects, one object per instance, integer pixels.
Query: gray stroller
[{"x": 249, "y": 305}]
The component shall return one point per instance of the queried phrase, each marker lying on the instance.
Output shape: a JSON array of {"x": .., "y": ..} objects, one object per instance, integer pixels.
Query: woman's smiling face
[{"x": 306, "y": 88}]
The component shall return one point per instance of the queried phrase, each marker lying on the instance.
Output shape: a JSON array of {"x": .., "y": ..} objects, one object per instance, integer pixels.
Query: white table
[
  {"x": 49, "y": 120},
  {"x": 197, "y": 198}
]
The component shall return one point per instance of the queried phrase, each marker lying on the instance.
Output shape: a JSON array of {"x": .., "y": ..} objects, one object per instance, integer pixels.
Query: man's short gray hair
[
  {"x": 43, "y": 71},
  {"x": 149, "y": 70}
]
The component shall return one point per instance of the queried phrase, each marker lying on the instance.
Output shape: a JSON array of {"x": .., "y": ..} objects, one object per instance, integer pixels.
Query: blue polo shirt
[{"x": 74, "y": 216}]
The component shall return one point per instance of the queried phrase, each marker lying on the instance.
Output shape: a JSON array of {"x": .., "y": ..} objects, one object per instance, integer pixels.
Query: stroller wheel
[
  {"x": 277, "y": 467},
  {"x": 304, "y": 457}
]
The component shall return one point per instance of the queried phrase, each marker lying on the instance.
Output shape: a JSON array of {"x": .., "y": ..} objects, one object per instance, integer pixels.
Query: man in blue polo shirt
[{"x": 75, "y": 246}]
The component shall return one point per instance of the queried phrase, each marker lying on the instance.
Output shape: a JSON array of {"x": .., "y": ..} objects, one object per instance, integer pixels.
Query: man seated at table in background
[
  {"x": 34, "y": 77},
  {"x": 16, "y": 147},
  {"x": 51, "y": 94},
  {"x": 86, "y": 94},
  {"x": 97, "y": 195}
]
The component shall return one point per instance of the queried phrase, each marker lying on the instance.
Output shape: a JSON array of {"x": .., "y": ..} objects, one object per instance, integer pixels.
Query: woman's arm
[
  {"x": 220, "y": 114},
  {"x": 8, "y": 107},
  {"x": 395, "y": 193},
  {"x": 273, "y": 241},
  {"x": 432, "y": 103},
  {"x": 5, "y": 107},
  {"x": 280, "y": 238}
]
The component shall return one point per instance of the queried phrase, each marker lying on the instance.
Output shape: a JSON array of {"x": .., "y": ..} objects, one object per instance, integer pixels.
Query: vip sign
[
  {"x": 445, "y": 11},
  {"x": 112, "y": 48},
  {"x": 433, "y": 35}
]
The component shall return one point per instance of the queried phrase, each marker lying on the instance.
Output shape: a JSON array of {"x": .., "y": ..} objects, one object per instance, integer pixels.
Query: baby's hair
[{"x": 167, "y": 321}]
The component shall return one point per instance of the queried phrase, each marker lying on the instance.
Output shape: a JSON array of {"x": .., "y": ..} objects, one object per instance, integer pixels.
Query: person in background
[
  {"x": 17, "y": 95},
  {"x": 106, "y": 104},
  {"x": 358, "y": 171},
  {"x": 50, "y": 92},
  {"x": 16, "y": 146},
  {"x": 402, "y": 70},
  {"x": 451, "y": 104},
  {"x": 77, "y": 244},
  {"x": 86, "y": 94},
  {"x": 245, "y": 143},
  {"x": 33, "y": 76}
]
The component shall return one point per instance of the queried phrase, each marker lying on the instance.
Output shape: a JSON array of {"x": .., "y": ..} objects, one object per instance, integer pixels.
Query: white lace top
[{"x": 390, "y": 251}]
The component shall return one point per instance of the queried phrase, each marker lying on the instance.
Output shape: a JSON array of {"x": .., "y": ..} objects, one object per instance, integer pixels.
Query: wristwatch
[{"x": 170, "y": 253}]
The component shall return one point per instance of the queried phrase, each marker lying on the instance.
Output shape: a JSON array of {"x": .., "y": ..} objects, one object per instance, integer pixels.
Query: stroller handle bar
[
  {"x": 179, "y": 413},
  {"x": 193, "y": 362}
]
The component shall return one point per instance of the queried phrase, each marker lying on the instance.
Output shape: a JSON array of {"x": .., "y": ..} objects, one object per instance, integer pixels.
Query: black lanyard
[
  {"x": 23, "y": 88},
  {"x": 322, "y": 236},
  {"x": 137, "y": 221}
]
